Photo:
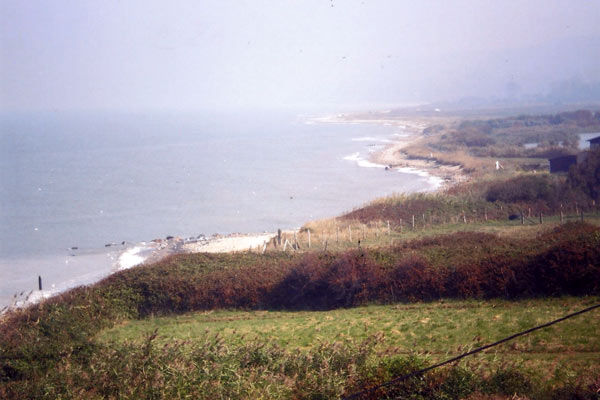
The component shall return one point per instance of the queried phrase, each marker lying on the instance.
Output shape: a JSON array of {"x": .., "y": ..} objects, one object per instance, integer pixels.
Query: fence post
[
  {"x": 541, "y": 218},
  {"x": 413, "y": 222},
  {"x": 561, "y": 216},
  {"x": 522, "y": 218},
  {"x": 325, "y": 248},
  {"x": 279, "y": 237},
  {"x": 40, "y": 282}
]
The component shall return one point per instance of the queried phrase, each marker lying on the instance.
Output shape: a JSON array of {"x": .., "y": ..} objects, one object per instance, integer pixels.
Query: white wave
[
  {"x": 131, "y": 258},
  {"x": 361, "y": 162},
  {"x": 435, "y": 182},
  {"x": 371, "y": 139},
  {"x": 414, "y": 171}
]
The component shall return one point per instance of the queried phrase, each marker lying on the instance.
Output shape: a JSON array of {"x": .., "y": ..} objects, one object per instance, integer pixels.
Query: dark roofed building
[
  {"x": 595, "y": 143},
  {"x": 562, "y": 164}
]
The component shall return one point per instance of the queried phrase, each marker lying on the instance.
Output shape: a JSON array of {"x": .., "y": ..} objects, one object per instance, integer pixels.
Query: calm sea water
[{"x": 86, "y": 179}]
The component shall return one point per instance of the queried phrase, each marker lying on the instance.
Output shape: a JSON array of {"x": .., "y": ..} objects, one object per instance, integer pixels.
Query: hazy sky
[{"x": 193, "y": 54}]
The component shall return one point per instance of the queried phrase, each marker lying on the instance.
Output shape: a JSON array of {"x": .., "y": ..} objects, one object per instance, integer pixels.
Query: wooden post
[
  {"x": 529, "y": 214},
  {"x": 295, "y": 241},
  {"x": 413, "y": 222},
  {"x": 541, "y": 218},
  {"x": 308, "y": 231},
  {"x": 359, "y": 244},
  {"x": 561, "y": 216},
  {"x": 464, "y": 217},
  {"x": 485, "y": 214},
  {"x": 279, "y": 237},
  {"x": 264, "y": 250},
  {"x": 40, "y": 282},
  {"x": 522, "y": 218},
  {"x": 325, "y": 247}
]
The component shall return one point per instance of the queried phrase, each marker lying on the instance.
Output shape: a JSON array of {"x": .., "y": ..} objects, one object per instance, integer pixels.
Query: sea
[{"x": 77, "y": 189}]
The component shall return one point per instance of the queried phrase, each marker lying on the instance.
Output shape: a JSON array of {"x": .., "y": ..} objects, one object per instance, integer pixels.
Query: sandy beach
[{"x": 231, "y": 243}]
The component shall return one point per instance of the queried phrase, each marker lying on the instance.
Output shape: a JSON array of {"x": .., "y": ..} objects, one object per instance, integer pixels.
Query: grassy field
[{"x": 434, "y": 331}]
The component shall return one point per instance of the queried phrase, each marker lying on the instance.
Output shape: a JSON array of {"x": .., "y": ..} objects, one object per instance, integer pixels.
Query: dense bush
[
  {"x": 526, "y": 189},
  {"x": 585, "y": 177}
]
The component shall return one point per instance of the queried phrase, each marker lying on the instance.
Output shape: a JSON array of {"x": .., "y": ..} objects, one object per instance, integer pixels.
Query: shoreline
[{"x": 392, "y": 155}]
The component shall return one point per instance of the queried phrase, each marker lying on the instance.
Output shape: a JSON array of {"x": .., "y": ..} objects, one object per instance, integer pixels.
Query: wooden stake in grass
[
  {"x": 541, "y": 218},
  {"x": 561, "y": 216},
  {"x": 522, "y": 218},
  {"x": 413, "y": 222}
]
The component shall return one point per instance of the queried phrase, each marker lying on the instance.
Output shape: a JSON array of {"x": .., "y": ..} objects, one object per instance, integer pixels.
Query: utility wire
[{"x": 477, "y": 350}]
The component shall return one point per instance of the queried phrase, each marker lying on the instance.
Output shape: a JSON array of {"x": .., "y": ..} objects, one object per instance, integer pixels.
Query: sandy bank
[{"x": 230, "y": 243}]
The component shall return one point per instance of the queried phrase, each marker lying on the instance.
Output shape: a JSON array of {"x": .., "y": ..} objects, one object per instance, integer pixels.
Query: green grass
[{"x": 435, "y": 330}]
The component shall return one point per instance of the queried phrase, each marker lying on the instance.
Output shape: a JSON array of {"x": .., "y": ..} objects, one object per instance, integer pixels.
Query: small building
[
  {"x": 594, "y": 143},
  {"x": 562, "y": 164}
]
